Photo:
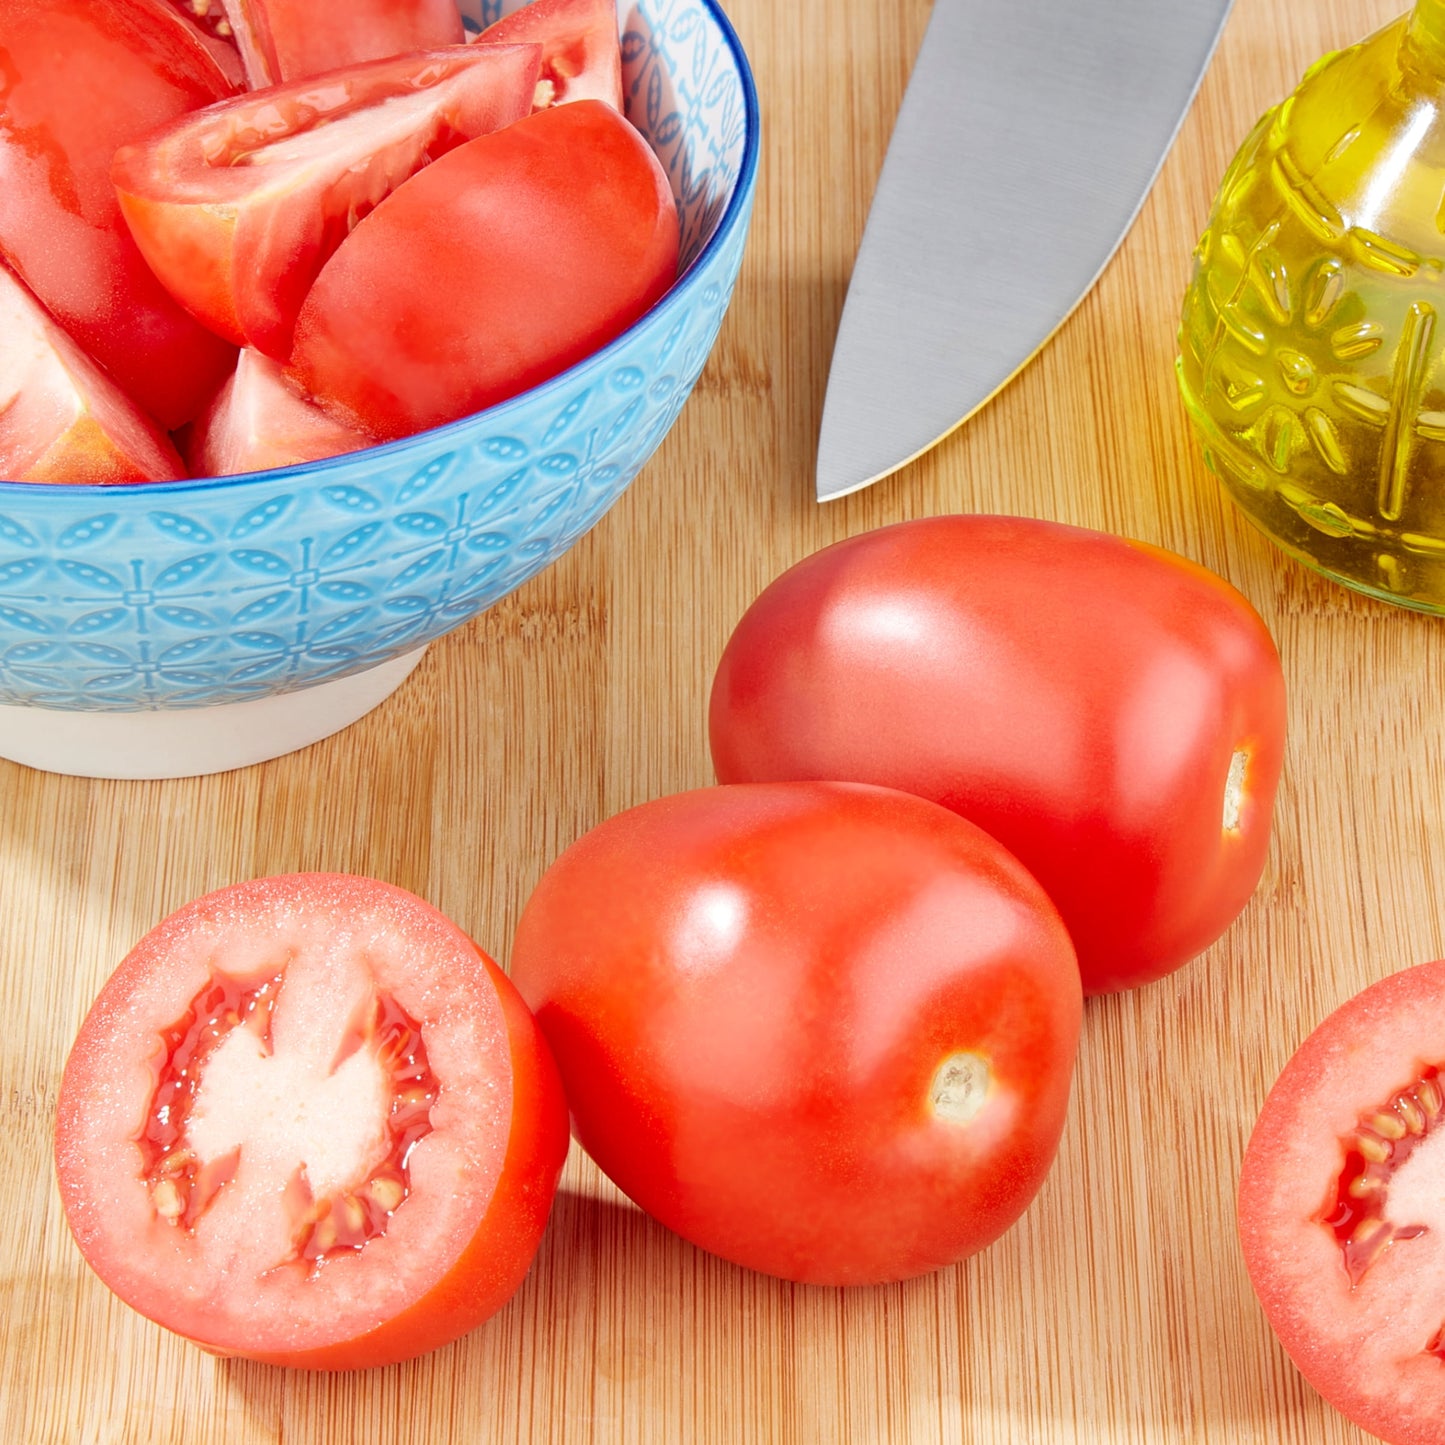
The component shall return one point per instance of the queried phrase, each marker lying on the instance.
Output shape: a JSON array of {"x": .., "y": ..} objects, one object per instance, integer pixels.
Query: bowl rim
[{"x": 681, "y": 289}]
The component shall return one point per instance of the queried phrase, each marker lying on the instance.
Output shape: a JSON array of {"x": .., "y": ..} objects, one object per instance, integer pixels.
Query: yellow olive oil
[{"x": 1312, "y": 341}]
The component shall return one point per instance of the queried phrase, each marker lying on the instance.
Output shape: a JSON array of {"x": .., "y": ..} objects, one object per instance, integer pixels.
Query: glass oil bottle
[{"x": 1312, "y": 342}]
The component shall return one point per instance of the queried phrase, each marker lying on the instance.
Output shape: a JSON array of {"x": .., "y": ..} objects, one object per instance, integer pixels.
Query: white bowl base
[{"x": 187, "y": 742}]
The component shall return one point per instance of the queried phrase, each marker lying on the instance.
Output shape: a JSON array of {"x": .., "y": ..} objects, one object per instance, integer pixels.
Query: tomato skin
[
  {"x": 283, "y": 40},
  {"x": 62, "y": 419},
  {"x": 548, "y": 239},
  {"x": 750, "y": 990},
  {"x": 459, "y": 1245},
  {"x": 1365, "y": 1347},
  {"x": 237, "y": 206},
  {"x": 581, "y": 56},
  {"x": 80, "y": 78},
  {"x": 1078, "y": 696}
]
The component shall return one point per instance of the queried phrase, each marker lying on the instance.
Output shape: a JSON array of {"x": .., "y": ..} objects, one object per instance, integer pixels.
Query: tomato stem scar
[
  {"x": 1234, "y": 790},
  {"x": 959, "y": 1087}
]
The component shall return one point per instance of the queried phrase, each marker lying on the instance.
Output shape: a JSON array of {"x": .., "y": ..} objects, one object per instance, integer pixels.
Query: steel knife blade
[{"x": 1029, "y": 136}]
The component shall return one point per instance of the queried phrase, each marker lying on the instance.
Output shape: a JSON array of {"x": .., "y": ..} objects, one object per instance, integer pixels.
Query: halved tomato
[
  {"x": 62, "y": 419},
  {"x": 257, "y": 421},
  {"x": 309, "y": 1122},
  {"x": 238, "y": 206},
  {"x": 545, "y": 240},
  {"x": 282, "y": 40},
  {"x": 1342, "y": 1207},
  {"x": 581, "y": 57},
  {"x": 77, "y": 79}
]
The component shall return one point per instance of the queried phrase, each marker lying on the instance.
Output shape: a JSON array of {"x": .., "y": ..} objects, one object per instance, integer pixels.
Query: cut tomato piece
[
  {"x": 238, "y": 206},
  {"x": 257, "y": 422},
  {"x": 214, "y": 29},
  {"x": 308, "y": 1121},
  {"x": 546, "y": 239},
  {"x": 1342, "y": 1207},
  {"x": 581, "y": 57},
  {"x": 283, "y": 40},
  {"x": 80, "y": 78},
  {"x": 61, "y": 418}
]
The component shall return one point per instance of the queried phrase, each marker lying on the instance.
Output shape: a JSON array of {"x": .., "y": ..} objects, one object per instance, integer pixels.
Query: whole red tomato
[
  {"x": 823, "y": 1030},
  {"x": 1342, "y": 1207},
  {"x": 77, "y": 79},
  {"x": 307, "y": 1121},
  {"x": 1112, "y": 713}
]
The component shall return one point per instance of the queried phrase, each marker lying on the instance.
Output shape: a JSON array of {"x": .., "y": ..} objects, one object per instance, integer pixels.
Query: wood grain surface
[{"x": 1117, "y": 1309}]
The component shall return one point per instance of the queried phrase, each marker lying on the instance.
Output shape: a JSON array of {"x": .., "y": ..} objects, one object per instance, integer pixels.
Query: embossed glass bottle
[{"x": 1312, "y": 344}]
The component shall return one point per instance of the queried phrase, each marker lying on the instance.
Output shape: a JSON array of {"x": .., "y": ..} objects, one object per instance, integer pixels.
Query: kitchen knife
[{"x": 1028, "y": 138}]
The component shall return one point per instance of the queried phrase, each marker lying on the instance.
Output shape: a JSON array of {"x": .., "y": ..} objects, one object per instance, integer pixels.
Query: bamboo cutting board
[{"x": 1117, "y": 1310}]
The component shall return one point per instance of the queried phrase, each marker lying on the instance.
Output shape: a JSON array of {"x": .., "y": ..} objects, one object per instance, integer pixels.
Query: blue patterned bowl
[{"x": 187, "y": 627}]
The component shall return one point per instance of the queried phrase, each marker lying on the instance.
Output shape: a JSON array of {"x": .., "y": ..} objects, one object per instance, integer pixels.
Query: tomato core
[
  {"x": 191, "y": 1141},
  {"x": 1385, "y": 1139}
]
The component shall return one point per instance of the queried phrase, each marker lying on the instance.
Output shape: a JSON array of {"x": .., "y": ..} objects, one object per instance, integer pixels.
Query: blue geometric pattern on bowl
[{"x": 216, "y": 590}]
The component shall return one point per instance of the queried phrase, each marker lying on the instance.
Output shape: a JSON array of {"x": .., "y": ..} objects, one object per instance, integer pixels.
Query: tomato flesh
[
  {"x": 79, "y": 78},
  {"x": 282, "y": 40},
  {"x": 257, "y": 421},
  {"x": 187, "y": 1161},
  {"x": 308, "y": 1121},
  {"x": 1342, "y": 1207},
  {"x": 546, "y": 239},
  {"x": 823, "y": 1030},
  {"x": 237, "y": 207},
  {"x": 581, "y": 56},
  {"x": 61, "y": 418},
  {"x": 1112, "y": 713}
]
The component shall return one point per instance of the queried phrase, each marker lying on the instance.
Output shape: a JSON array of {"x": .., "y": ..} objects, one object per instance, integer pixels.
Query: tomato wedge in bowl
[
  {"x": 1342, "y": 1207},
  {"x": 256, "y": 421},
  {"x": 80, "y": 78},
  {"x": 237, "y": 206},
  {"x": 282, "y": 40},
  {"x": 61, "y": 417},
  {"x": 581, "y": 57},
  {"x": 548, "y": 239},
  {"x": 308, "y": 1122}
]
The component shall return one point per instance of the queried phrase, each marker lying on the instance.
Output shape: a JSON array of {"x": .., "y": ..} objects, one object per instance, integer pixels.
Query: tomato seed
[
  {"x": 1373, "y": 1148},
  {"x": 388, "y": 1192},
  {"x": 168, "y": 1200},
  {"x": 1412, "y": 1113},
  {"x": 1388, "y": 1126}
]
